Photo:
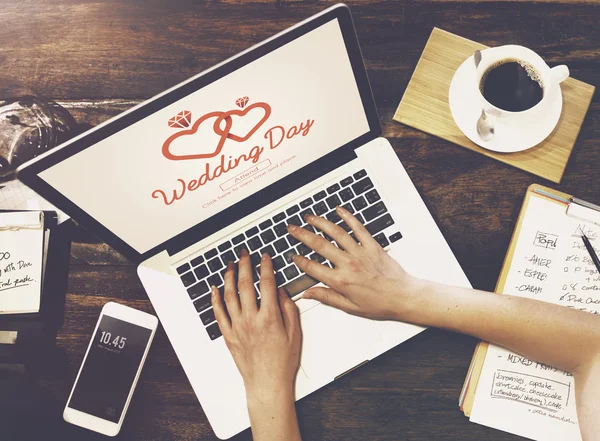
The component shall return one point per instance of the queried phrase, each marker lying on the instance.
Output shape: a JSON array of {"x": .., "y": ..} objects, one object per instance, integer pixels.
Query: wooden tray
[{"x": 424, "y": 106}]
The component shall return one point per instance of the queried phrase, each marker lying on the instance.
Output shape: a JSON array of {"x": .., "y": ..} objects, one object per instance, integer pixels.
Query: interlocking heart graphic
[
  {"x": 222, "y": 127},
  {"x": 191, "y": 131},
  {"x": 257, "y": 108}
]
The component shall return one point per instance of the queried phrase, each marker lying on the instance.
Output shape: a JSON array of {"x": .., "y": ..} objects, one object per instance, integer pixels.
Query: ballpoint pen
[{"x": 590, "y": 249}]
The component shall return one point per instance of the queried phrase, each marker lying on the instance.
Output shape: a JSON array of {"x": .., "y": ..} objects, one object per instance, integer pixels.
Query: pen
[{"x": 590, "y": 249}]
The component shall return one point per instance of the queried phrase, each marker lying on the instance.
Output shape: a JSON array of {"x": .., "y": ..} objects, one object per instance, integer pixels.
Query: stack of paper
[
  {"x": 546, "y": 261},
  {"x": 15, "y": 195}
]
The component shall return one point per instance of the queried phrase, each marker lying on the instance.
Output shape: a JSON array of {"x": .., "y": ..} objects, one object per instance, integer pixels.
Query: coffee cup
[{"x": 514, "y": 86}]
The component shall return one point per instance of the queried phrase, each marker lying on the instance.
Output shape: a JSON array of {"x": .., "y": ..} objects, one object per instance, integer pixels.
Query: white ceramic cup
[{"x": 550, "y": 78}]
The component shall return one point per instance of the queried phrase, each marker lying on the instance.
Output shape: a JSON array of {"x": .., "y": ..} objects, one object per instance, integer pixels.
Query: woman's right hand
[{"x": 366, "y": 281}]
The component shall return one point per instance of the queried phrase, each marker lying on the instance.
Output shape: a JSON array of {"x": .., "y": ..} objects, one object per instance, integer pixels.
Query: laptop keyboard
[{"x": 356, "y": 193}]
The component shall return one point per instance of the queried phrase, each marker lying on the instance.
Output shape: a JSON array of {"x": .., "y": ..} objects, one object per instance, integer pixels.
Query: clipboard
[
  {"x": 47, "y": 221},
  {"x": 13, "y": 325},
  {"x": 574, "y": 207},
  {"x": 24, "y": 337}
]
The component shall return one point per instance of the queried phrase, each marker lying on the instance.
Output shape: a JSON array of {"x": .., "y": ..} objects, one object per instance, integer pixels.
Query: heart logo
[
  {"x": 248, "y": 121},
  {"x": 250, "y": 112},
  {"x": 166, "y": 149}
]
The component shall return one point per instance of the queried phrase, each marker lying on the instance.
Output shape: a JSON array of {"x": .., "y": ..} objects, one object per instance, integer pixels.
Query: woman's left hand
[{"x": 264, "y": 341}]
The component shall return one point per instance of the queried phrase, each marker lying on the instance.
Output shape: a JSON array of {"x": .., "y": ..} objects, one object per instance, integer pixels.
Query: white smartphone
[{"x": 110, "y": 369}]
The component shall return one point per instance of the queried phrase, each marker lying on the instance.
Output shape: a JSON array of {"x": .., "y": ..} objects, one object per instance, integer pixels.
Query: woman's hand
[
  {"x": 366, "y": 281},
  {"x": 265, "y": 344},
  {"x": 264, "y": 341}
]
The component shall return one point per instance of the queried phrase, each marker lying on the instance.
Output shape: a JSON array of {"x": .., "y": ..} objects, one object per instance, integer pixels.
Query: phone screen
[{"x": 110, "y": 368}]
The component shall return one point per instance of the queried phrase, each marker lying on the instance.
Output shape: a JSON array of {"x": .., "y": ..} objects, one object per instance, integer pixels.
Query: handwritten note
[
  {"x": 21, "y": 259},
  {"x": 550, "y": 263}
]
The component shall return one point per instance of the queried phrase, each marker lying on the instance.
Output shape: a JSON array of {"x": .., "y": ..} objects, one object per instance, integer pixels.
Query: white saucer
[{"x": 466, "y": 110}]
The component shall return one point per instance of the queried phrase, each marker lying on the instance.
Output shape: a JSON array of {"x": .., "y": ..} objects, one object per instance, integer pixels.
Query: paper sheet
[
  {"x": 21, "y": 261},
  {"x": 17, "y": 196},
  {"x": 550, "y": 263}
]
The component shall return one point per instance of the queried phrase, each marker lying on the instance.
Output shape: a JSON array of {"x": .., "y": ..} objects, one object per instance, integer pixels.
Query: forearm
[
  {"x": 273, "y": 418},
  {"x": 555, "y": 335}
]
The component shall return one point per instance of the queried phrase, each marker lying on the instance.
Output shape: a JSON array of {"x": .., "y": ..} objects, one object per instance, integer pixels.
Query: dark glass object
[{"x": 29, "y": 126}]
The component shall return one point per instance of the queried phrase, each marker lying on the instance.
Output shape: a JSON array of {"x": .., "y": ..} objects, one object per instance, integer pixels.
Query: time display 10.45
[{"x": 110, "y": 368}]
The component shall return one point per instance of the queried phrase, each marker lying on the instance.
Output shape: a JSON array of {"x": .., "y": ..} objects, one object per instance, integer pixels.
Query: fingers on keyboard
[{"x": 355, "y": 193}]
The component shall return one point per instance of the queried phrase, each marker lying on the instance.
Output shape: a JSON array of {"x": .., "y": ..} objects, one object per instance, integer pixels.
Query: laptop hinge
[{"x": 275, "y": 191}]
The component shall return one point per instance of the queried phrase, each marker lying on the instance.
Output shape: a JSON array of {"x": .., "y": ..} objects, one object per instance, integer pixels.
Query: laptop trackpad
[{"x": 333, "y": 341}]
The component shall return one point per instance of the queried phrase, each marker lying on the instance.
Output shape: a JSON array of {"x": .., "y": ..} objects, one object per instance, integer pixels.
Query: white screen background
[{"x": 308, "y": 79}]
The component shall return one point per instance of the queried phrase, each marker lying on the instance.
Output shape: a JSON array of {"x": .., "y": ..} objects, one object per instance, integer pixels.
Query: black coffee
[{"x": 511, "y": 85}]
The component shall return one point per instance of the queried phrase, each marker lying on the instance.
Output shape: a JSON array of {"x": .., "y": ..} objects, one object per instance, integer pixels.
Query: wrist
[
  {"x": 273, "y": 414},
  {"x": 410, "y": 296},
  {"x": 258, "y": 397}
]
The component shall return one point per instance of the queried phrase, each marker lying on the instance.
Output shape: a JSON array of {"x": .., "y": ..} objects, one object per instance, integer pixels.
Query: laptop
[{"x": 224, "y": 161}]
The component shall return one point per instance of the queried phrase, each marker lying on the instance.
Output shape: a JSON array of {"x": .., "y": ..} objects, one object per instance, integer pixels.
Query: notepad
[
  {"x": 547, "y": 261},
  {"x": 21, "y": 261}
]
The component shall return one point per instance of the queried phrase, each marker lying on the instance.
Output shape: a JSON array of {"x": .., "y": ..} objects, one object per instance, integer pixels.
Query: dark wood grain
[{"x": 99, "y": 58}]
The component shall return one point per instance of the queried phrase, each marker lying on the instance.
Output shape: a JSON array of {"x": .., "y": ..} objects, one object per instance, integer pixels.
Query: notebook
[
  {"x": 22, "y": 261},
  {"x": 547, "y": 261}
]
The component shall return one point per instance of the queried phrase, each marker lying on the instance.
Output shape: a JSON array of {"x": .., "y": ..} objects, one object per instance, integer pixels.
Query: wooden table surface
[{"x": 99, "y": 58}]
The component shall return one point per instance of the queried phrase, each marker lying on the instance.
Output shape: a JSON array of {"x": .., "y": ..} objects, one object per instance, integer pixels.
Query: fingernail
[
  {"x": 265, "y": 256},
  {"x": 243, "y": 252},
  {"x": 309, "y": 217},
  {"x": 292, "y": 227},
  {"x": 295, "y": 257},
  {"x": 341, "y": 210},
  {"x": 214, "y": 290},
  {"x": 229, "y": 265}
]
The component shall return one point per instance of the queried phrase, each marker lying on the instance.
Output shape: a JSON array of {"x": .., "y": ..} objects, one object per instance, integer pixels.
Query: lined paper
[{"x": 550, "y": 263}]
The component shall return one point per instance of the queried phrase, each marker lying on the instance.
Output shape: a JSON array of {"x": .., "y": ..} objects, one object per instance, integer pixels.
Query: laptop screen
[{"x": 199, "y": 155}]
